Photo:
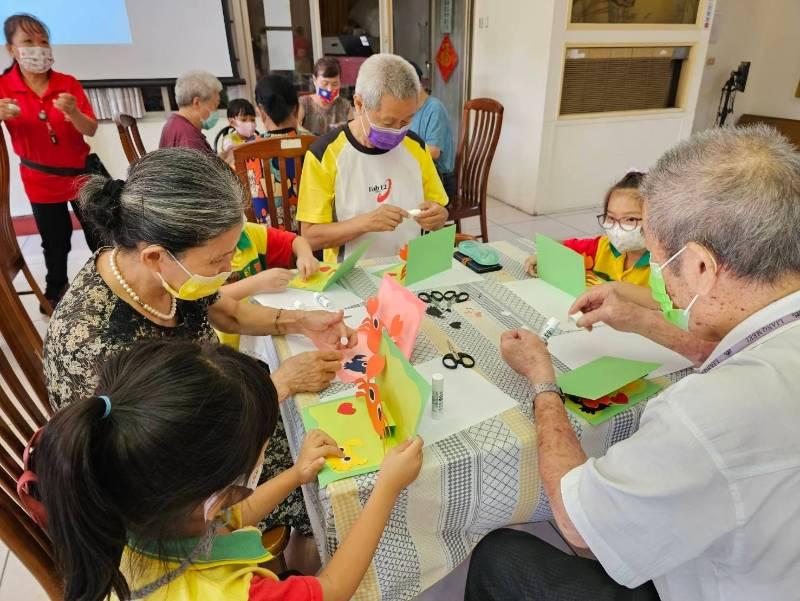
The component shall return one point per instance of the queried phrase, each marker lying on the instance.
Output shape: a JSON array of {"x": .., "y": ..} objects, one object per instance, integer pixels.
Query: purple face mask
[{"x": 384, "y": 138}]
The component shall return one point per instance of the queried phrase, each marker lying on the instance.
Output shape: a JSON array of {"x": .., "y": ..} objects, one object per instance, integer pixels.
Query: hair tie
[
  {"x": 107, "y": 410},
  {"x": 113, "y": 189}
]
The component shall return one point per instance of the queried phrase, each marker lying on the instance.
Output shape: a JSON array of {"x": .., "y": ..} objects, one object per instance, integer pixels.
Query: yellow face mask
[{"x": 197, "y": 286}]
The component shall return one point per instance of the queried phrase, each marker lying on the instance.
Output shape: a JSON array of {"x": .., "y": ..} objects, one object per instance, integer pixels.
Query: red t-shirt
[
  {"x": 295, "y": 588},
  {"x": 31, "y": 138},
  {"x": 179, "y": 132}
]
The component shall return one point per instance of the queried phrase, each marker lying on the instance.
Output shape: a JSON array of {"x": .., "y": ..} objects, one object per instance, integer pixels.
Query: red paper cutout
[
  {"x": 346, "y": 409},
  {"x": 446, "y": 58}
]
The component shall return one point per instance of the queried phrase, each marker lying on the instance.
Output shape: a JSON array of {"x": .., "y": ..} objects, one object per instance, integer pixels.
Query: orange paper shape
[
  {"x": 446, "y": 57},
  {"x": 370, "y": 392}
]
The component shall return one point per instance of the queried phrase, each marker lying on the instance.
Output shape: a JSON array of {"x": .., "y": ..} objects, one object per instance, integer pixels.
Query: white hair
[
  {"x": 386, "y": 75},
  {"x": 736, "y": 191},
  {"x": 195, "y": 84}
]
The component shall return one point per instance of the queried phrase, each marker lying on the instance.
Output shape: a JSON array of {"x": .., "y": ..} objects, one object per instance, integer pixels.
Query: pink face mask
[{"x": 246, "y": 129}]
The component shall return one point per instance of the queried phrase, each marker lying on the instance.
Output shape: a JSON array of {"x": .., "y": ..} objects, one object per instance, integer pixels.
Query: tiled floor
[{"x": 505, "y": 223}]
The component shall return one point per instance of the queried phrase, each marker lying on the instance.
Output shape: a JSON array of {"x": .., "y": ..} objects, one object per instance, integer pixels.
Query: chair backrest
[
  {"x": 129, "y": 136},
  {"x": 11, "y": 258},
  {"x": 481, "y": 123},
  {"x": 270, "y": 170},
  {"x": 23, "y": 410}
]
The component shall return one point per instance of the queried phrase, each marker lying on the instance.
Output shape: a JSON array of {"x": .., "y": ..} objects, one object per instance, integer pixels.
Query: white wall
[
  {"x": 107, "y": 145},
  {"x": 546, "y": 164},
  {"x": 769, "y": 39}
]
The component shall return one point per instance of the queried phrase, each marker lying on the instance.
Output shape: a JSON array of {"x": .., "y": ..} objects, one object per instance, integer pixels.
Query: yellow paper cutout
[{"x": 350, "y": 459}]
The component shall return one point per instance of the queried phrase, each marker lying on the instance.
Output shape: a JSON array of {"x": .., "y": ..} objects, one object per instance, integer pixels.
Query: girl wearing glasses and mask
[
  {"x": 620, "y": 255},
  {"x": 47, "y": 116}
]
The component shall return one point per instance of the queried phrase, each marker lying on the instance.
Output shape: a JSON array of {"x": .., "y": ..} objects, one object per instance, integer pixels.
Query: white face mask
[
  {"x": 625, "y": 241},
  {"x": 244, "y": 128},
  {"x": 35, "y": 59}
]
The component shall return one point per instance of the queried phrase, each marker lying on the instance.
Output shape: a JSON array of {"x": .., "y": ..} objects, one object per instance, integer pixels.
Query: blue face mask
[
  {"x": 658, "y": 288},
  {"x": 211, "y": 121}
]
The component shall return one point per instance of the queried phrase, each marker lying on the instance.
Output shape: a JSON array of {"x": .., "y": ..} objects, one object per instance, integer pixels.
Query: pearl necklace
[{"x": 112, "y": 261}]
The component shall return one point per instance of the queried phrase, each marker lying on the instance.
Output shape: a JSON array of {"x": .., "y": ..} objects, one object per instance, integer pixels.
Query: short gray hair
[
  {"x": 178, "y": 198},
  {"x": 195, "y": 84},
  {"x": 736, "y": 191},
  {"x": 386, "y": 75}
]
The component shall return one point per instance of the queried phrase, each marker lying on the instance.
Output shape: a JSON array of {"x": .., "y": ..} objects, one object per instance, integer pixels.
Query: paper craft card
[
  {"x": 400, "y": 391},
  {"x": 603, "y": 376},
  {"x": 427, "y": 255},
  {"x": 293, "y": 298},
  {"x": 603, "y": 409},
  {"x": 457, "y": 274},
  {"x": 578, "y": 348},
  {"x": 560, "y": 266},
  {"x": 396, "y": 310},
  {"x": 330, "y": 273}
]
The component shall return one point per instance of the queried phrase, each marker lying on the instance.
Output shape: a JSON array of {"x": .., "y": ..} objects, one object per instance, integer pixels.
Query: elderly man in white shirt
[{"x": 703, "y": 502}]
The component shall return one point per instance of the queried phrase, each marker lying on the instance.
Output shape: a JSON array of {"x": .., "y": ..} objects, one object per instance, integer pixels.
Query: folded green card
[
  {"x": 560, "y": 266},
  {"x": 603, "y": 376}
]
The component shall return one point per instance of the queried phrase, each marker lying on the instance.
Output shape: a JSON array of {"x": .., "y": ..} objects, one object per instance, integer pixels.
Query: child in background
[
  {"x": 620, "y": 255},
  {"x": 148, "y": 489},
  {"x": 261, "y": 264},
  {"x": 242, "y": 126}
]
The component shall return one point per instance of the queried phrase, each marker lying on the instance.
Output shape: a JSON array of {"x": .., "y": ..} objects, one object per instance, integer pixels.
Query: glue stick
[
  {"x": 414, "y": 212},
  {"x": 322, "y": 300},
  {"x": 437, "y": 395},
  {"x": 548, "y": 329}
]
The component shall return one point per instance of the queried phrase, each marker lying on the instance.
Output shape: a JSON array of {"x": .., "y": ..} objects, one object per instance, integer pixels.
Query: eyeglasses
[{"x": 628, "y": 224}]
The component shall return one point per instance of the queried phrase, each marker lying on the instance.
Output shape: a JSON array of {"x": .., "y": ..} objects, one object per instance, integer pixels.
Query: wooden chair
[
  {"x": 481, "y": 123},
  {"x": 23, "y": 410},
  {"x": 129, "y": 136},
  {"x": 11, "y": 259},
  {"x": 254, "y": 164}
]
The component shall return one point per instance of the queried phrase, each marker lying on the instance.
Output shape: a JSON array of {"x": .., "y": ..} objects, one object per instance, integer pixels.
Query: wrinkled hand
[
  {"x": 274, "y": 280},
  {"x": 306, "y": 372},
  {"x": 433, "y": 216},
  {"x": 307, "y": 265},
  {"x": 527, "y": 355},
  {"x": 604, "y": 303},
  {"x": 311, "y": 458},
  {"x": 8, "y": 109},
  {"x": 531, "y": 266},
  {"x": 401, "y": 465},
  {"x": 384, "y": 219},
  {"x": 326, "y": 329},
  {"x": 66, "y": 103}
]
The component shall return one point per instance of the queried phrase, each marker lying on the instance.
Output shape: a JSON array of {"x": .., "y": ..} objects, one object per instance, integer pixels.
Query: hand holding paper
[
  {"x": 330, "y": 273},
  {"x": 311, "y": 458},
  {"x": 604, "y": 304},
  {"x": 401, "y": 465}
]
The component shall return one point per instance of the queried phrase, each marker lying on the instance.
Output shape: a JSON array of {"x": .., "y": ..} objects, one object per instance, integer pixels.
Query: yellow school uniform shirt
[
  {"x": 343, "y": 179},
  {"x": 604, "y": 263}
]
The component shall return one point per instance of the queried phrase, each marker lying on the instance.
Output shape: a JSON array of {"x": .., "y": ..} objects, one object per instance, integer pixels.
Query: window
[
  {"x": 630, "y": 12},
  {"x": 602, "y": 80}
]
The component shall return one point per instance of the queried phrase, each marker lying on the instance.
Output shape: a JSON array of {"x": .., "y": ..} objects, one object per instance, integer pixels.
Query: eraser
[{"x": 414, "y": 212}]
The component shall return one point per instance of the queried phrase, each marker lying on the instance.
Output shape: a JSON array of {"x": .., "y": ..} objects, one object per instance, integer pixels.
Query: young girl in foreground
[
  {"x": 149, "y": 488},
  {"x": 620, "y": 255}
]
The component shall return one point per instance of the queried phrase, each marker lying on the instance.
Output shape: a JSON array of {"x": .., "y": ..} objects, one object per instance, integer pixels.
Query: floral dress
[{"x": 91, "y": 323}]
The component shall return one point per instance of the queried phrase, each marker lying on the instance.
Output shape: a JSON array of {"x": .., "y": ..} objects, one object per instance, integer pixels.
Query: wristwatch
[{"x": 546, "y": 387}]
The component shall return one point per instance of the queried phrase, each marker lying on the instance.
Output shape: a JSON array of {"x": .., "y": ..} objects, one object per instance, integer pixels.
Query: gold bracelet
[{"x": 277, "y": 325}]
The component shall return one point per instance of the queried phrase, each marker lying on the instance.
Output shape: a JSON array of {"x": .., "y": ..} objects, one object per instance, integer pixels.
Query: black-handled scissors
[
  {"x": 455, "y": 358},
  {"x": 449, "y": 297}
]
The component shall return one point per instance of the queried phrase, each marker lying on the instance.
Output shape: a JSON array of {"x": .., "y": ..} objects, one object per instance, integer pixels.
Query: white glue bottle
[
  {"x": 548, "y": 329},
  {"x": 437, "y": 395}
]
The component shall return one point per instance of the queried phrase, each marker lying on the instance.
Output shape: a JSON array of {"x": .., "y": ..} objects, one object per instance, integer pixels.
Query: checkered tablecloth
[{"x": 471, "y": 483}]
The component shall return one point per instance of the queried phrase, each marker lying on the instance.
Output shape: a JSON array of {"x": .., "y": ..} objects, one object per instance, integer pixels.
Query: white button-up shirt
[{"x": 705, "y": 498}]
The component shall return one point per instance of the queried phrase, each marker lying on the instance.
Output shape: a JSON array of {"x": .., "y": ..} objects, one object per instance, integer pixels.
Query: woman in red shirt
[{"x": 47, "y": 115}]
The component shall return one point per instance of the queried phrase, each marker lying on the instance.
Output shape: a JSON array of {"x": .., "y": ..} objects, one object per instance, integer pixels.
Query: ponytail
[{"x": 87, "y": 530}]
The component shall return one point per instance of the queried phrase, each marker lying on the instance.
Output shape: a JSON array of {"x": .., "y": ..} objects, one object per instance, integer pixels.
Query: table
[{"x": 473, "y": 482}]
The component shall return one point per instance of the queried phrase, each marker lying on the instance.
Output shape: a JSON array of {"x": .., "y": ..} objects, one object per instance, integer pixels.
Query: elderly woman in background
[
  {"x": 175, "y": 224},
  {"x": 325, "y": 110},
  {"x": 197, "y": 95},
  {"x": 701, "y": 502},
  {"x": 360, "y": 180}
]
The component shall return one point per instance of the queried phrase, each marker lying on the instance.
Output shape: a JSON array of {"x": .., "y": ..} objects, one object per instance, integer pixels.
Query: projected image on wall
[{"x": 73, "y": 23}]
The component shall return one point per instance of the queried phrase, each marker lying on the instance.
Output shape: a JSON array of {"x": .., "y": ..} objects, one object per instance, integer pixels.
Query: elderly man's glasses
[{"x": 628, "y": 224}]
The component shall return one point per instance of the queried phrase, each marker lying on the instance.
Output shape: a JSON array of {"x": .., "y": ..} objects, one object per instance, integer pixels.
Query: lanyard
[{"x": 752, "y": 338}]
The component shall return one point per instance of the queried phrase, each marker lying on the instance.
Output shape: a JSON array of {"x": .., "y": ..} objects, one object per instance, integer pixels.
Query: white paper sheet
[
  {"x": 261, "y": 348},
  {"x": 280, "y": 49},
  {"x": 469, "y": 399},
  {"x": 458, "y": 274},
  {"x": 578, "y": 348},
  {"x": 547, "y": 300},
  {"x": 339, "y": 297}
]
